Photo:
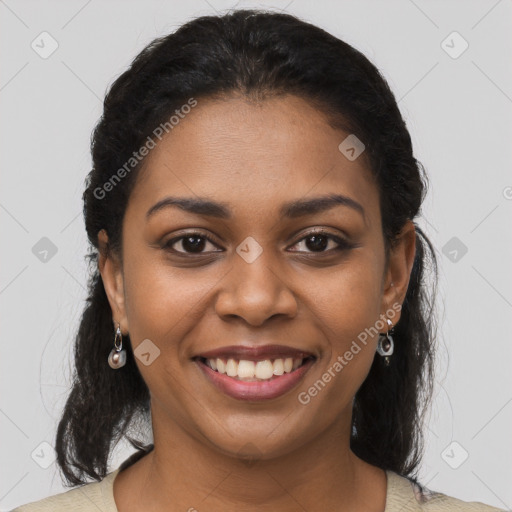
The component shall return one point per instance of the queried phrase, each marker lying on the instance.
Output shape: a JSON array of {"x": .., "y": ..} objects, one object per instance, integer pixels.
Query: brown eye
[
  {"x": 191, "y": 243},
  {"x": 318, "y": 241}
]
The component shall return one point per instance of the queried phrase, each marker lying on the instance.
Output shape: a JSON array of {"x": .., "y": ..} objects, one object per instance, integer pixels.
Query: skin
[{"x": 253, "y": 157}]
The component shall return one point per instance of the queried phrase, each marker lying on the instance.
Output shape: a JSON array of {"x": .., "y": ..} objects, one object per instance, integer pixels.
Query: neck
[{"x": 192, "y": 475}]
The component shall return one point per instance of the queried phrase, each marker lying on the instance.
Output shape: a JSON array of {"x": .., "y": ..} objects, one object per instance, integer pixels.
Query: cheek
[
  {"x": 346, "y": 306},
  {"x": 347, "y": 300},
  {"x": 164, "y": 303},
  {"x": 163, "y": 307}
]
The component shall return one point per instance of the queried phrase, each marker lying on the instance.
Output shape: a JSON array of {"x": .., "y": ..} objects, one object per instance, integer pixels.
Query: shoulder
[
  {"x": 405, "y": 495},
  {"x": 92, "y": 497}
]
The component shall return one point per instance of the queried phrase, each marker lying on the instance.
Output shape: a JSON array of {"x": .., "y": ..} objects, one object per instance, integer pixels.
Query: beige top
[{"x": 402, "y": 496}]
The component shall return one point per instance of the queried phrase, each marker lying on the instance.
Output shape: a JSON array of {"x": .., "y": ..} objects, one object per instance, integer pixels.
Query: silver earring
[
  {"x": 117, "y": 356},
  {"x": 385, "y": 346}
]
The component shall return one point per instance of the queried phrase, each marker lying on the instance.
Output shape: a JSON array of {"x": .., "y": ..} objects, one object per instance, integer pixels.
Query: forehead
[{"x": 253, "y": 156}]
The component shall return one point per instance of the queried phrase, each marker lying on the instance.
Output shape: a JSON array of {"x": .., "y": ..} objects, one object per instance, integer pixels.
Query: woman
[{"x": 258, "y": 306}]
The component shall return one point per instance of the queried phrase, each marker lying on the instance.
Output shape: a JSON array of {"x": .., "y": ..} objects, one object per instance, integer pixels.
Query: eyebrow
[{"x": 292, "y": 209}]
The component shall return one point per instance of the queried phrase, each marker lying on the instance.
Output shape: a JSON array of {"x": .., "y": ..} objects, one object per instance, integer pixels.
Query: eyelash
[{"x": 342, "y": 244}]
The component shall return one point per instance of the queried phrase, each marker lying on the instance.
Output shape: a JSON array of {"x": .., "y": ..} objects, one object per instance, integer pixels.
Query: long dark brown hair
[{"x": 258, "y": 54}]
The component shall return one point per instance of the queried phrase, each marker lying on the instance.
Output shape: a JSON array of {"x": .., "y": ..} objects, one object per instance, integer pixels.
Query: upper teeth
[{"x": 245, "y": 369}]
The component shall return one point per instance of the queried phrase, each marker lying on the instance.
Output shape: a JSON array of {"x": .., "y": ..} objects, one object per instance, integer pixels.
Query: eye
[
  {"x": 318, "y": 240},
  {"x": 190, "y": 243}
]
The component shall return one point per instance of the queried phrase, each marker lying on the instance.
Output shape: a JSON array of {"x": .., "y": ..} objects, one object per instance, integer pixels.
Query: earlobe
[{"x": 113, "y": 282}]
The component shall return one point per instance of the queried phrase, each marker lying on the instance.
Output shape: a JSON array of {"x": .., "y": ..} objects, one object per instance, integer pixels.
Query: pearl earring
[{"x": 117, "y": 356}]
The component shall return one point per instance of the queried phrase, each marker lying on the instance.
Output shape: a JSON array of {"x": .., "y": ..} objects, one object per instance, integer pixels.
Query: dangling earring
[
  {"x": 117, "y": 356},
  {"x": 385, "y": 345}
]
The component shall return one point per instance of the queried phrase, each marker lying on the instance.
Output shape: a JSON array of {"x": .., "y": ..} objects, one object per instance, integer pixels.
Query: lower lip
[{"x": 256, "y": 390}]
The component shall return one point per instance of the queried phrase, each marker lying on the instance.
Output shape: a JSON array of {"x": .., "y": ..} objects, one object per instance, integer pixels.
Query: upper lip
[{"x": 255, "y": 353}]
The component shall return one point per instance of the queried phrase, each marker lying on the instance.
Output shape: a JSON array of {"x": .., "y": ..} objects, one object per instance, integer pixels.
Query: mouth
[
  {"x": 246, "y": 370},
  {"x": 258, "y": 373}
]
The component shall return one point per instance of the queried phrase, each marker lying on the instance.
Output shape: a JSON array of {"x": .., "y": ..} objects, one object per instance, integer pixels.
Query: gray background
[{"x": 458, "y": 111}]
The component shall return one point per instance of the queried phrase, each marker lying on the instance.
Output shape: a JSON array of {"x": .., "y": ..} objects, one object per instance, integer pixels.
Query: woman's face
[{"x": 263, "y": 279}]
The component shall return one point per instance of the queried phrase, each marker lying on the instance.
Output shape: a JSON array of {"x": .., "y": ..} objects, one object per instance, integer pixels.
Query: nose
[{"x": 255, "y": 291}]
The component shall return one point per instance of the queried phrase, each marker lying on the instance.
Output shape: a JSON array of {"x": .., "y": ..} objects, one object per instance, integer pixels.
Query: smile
[{"x": 246, "y": 379}]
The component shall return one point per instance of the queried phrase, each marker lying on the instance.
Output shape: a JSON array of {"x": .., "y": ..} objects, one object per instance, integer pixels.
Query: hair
[{"x": 257, "y": 55}]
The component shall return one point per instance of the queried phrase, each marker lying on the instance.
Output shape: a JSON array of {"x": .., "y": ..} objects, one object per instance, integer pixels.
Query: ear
[
  {"x": 113, "y": 281},
  {"x": 398, "y": 272}
]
